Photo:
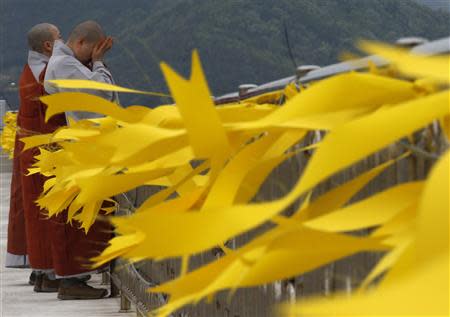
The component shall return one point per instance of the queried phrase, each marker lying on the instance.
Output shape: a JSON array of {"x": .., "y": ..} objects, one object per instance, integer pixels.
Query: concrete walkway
[{"x": 18, "y": 298}]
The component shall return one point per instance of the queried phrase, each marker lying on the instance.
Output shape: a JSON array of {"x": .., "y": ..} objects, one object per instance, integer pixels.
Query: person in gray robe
[{"x": 81, "y": 57}]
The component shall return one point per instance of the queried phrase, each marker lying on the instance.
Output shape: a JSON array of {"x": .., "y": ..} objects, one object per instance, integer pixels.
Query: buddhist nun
[
  {"x": 28, "y": 229},
  {"x": 81, "y": 57}
]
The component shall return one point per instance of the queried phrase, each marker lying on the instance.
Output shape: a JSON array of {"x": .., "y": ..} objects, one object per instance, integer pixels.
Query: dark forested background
[
  {"x": 436, "y": 4},
  {"x": 240, "y": 41}
]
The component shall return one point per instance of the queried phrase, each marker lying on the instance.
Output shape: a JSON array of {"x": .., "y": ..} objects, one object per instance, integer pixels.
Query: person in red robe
[
  {"x": 57, "y": 251},
  {"x": 28, "y": 244}
]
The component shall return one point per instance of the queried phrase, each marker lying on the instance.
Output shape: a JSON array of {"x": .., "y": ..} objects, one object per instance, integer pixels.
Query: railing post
[
  {"x": 304, "y": 70},
  {"x": 125, "y": 304},
  {"x": 114, "y": 291},
  {"x": 105, "y": 278},
  {"x": 139, "y": 313},
  {"x": 410, "y": 42},
  {"x": 243, "y": 89}
]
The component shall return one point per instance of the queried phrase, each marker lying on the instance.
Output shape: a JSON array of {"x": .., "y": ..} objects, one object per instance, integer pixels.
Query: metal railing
[
  {"x": 133, "y": 280},
  {"x": 306, "y": 74}
]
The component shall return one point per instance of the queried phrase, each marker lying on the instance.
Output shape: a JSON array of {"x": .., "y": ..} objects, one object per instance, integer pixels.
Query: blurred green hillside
[{"x": 240, "y": 41}]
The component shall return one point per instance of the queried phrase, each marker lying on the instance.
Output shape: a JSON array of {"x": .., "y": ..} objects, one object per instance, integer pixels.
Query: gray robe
[{"x": 64, "y": 65}]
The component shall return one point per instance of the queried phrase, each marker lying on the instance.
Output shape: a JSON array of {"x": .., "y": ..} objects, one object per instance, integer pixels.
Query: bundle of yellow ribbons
[
  {"x": 235, "y": 147},
  {"x": 8, "y": 134}
]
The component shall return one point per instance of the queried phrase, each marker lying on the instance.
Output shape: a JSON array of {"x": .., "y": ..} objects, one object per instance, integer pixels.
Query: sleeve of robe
[{"x": 70, "y": 68}]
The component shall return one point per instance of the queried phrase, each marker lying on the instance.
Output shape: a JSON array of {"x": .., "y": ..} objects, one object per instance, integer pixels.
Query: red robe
[
  {"x": 71, "y": 247},
  {"x": 17, "y": 243},
  {"x": 51, "y": 243},
  {"x": 31, "y": 120}
]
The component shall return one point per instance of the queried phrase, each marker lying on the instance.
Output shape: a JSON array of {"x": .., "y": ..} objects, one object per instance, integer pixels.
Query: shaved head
[
  {"x": 39, "y": 34},
  {"x": 89, "y": 31}
]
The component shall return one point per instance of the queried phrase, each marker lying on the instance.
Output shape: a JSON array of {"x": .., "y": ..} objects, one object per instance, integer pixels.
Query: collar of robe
[
  {"x": 60, "y": 48},
  {"x": 37, "y": 62}
]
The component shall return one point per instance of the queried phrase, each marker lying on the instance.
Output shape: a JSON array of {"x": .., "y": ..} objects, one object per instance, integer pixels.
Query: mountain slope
[
  {"x": 239, "y": 41},
  {"x": 436, "y": 4}
]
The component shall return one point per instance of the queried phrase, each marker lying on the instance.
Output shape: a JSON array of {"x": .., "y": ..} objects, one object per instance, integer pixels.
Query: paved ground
[{"x": 18, "y": 298}]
